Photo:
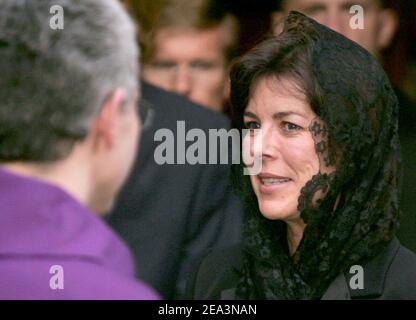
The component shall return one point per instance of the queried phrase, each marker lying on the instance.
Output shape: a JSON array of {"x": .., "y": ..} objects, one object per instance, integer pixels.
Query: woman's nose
[{"x": 270, "y": 144}]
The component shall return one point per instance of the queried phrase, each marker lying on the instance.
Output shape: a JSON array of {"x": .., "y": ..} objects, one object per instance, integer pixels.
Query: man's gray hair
[{"x": 53, "y": 82}]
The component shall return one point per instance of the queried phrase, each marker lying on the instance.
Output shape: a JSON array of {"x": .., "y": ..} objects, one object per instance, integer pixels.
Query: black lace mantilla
[{"x": 357, "y": 123}]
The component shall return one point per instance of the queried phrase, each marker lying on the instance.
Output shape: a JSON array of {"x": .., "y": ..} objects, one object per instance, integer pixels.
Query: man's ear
[
  {"x": 276, "y": 19},
  {"x": 388, "y": 23},
  {"x": 105, "y": 123}
]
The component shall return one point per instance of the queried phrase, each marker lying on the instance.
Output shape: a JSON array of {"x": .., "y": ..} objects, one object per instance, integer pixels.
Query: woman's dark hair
[
  {"x": 288, "y": 56},
  {"x": 355, "y": 131}
]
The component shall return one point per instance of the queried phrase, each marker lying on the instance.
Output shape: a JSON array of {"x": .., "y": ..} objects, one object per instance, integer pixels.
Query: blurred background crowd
[{"x": 255, "y": 19}]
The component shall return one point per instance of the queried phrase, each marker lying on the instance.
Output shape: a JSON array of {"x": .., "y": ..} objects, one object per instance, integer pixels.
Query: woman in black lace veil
[{"x": 349, "y": 207}]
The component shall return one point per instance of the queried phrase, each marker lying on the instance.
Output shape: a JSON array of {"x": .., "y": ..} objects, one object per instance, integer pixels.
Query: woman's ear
[
  {"x": 388, "y": 24},
  {"x": 276, "y": 19}
]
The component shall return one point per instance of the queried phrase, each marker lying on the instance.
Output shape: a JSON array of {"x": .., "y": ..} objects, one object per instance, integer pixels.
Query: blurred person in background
[
  {"x": 172, "y": 214},
  {"x": 381, "y": 22},
  {"x": 68, "y": 134},
  {"x": 187, "y": 48}
]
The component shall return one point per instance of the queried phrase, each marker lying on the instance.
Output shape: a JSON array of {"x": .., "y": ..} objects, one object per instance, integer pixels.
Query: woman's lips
[{"x": 270, "y": 183}]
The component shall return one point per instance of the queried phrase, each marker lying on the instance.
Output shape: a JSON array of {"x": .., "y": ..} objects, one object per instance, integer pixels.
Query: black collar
[{"x": 375, "y": 273}]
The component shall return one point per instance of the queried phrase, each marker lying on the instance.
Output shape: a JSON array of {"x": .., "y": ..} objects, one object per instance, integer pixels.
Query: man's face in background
[
  {"x": 190, "y": 63},
  {"x": 379, "y": 24}
]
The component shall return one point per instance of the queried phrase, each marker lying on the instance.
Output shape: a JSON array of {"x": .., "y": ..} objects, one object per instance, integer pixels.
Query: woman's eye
[
  {"x": 252, "y": 125},
  {"x": 290, "y": 127}
]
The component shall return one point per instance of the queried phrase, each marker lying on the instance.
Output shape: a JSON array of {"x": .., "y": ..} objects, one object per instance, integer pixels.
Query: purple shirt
[{"x": 52, "y": 247}]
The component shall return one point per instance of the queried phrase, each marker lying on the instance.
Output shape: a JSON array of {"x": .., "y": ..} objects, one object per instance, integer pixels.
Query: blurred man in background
[
  {"x": 68, "y": 135},
  {"x": 380, "y": 25},
  {"x": 187, "y": 47},
  {"x": 171, "y": 215}
]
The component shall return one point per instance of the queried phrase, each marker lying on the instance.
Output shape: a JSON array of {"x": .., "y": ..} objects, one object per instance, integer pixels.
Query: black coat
[
  {"x": 171, "y": 215},
  {"x": 391, "y": 275}
]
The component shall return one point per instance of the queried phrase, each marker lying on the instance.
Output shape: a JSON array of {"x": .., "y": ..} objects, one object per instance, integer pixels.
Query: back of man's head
[{"x": 54, "y": 81}]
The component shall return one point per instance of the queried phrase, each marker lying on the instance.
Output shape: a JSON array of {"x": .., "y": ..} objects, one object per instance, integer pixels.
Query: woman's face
[{"x": 288, "y": 152}]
